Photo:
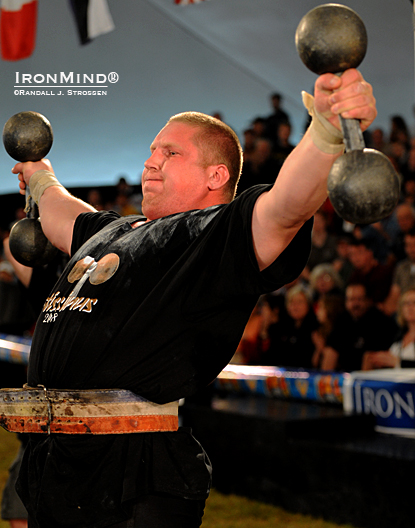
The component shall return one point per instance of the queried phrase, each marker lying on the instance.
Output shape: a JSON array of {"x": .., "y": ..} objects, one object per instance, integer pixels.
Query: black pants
[{"x": 163, "y": 511}]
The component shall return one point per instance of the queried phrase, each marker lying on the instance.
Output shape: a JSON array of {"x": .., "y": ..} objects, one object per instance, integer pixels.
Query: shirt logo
[{"x": 86, "y": 269}]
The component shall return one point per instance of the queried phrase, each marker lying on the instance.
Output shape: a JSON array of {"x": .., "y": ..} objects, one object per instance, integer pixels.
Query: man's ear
[{"x": 218, "y": 177}]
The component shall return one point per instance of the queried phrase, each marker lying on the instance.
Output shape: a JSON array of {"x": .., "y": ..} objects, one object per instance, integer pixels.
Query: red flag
[
  {"x": 187, "y": 2},
  {"x": 18, "y": 28}
]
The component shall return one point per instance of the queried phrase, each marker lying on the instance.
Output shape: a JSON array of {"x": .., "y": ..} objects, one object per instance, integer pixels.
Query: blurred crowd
[{"x": 352, "y": 308}]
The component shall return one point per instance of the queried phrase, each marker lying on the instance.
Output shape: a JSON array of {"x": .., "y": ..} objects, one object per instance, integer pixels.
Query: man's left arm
[{"x": 301, "y": 186}]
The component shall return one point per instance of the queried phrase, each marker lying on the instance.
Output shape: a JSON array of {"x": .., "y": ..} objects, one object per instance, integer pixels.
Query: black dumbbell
[
  {"x": 363, "y": 186},
  {"x": 28, "y": 136}
]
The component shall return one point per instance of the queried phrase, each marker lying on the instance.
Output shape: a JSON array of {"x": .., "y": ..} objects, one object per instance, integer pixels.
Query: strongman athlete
[{"x": 149, "y": 309}]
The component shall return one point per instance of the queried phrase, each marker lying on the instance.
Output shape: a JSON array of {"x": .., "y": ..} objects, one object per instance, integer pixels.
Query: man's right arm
[{"x": 58, "y": 209}]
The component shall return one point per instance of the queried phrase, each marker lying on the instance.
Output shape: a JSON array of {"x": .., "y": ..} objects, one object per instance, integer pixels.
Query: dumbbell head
[
  {"x": 331, "y": 38},
  {"x": 363, "y": 186},
  {"x": 28, "y": 244},
  {"x": 27, "y": 136}
]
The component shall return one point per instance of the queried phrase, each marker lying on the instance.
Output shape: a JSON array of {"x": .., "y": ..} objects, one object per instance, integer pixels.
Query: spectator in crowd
[
  {"x": 408, "y": 189},
  {"x": 283, "y": 145},
  {"x": 408, "y": 169},
  {"x": 399, "y": 131},
  {"x": 404, "y": 273},
  {"x": 401, "y": 353},
  {"x": 323, "y": 244},
  {"x": 342, "y": 263},
  {"x": 405, "y": 216},
  {"x": 324, "y": 279},
  {"x": 397, "y": 152},
  {"x": 328, "y": 309},
  {"x": 376, "y": 277},
  {"x": 377, "y": 140},
  {"x": 248, "y": 144},
  {"x": 290, "y": 339},
  {"x": 361, "y": 328},
  {"x": 218, "y": 115},
  {"x": 258, "y": 126},
  {"x": 375, "y": 236},
  {"x": 94, "y": 198},
  {"x": 122, "y": 203},
  {"x": 16, "y": 316},
  {"x": 260, "y": 168},
  {"x": 255, "y": 340},
  {"x": 277, "y": 116}
]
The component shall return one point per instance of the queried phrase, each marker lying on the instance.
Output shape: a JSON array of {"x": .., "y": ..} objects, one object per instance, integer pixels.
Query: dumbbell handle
[
  {"x": 31, "y": 208},
  {"x": 352, "y": 134}
]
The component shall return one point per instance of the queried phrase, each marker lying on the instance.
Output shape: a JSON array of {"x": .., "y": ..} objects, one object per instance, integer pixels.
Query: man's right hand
[{"x": 27, "y": 169}]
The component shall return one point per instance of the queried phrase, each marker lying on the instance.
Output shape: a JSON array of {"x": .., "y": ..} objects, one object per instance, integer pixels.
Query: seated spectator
[
  {"x": 283, "y": 147},
  {"x": 377, "y": 140},
  {"x": 403, "y": 275},
  {"x": 408, "y": 170},
  {"x": 377, "y": 239},
  {"x": 290, "y": 341},
  {"x": 94, "y": 198},
  {"x": 397, "y": 152},
  {"x": 361, "y": 328},
  {"x": 16, "y": 316},
  {"x": 405, "y": 216},
  {"x": 376, "y": 277},
  {"x": 323, "y": 244},
  {"x": 399, "y": 140},
  {"x": 255, "y": 339},
  {"x": 248, "y": 144},
  {"x": 260, "y": 168},
  {"x": 408, "y": 189},
  {"x": 328, "y": 309},
  {"x": 324, "y": 279},
  {"x": 342, "y": 263},
  {"x": 258, "y": 126},
  {"x": 401, "y": 354}
]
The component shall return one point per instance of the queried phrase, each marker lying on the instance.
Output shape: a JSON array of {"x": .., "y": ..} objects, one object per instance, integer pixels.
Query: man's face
[
  {"x": 174, "y": 180},
  {"x": 297, "y": 307},
  {"x": 357, "y": 302},
  {"x": 360, "y": 256},
  {"x": 405, "y": 218}
]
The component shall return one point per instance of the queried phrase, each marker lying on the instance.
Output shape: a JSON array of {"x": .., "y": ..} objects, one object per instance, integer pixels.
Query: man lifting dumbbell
[{"x": 165, "y": 317}]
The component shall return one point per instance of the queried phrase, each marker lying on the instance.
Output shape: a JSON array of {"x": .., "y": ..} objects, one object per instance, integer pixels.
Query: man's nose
[{"x": 154, "y": 161}]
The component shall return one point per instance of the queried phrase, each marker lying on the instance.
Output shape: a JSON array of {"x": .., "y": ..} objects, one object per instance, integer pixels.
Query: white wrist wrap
[
  {"x": 40, "y": 181},
  {"x": 324, "y": 135}
]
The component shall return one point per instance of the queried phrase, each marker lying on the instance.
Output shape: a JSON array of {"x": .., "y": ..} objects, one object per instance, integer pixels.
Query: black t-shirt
[{"x": 162, "y": 317}]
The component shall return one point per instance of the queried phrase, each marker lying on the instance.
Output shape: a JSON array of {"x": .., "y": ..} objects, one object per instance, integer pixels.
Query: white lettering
[
  {"x": 39, "y": 78},
  {"x": 386, "y": 396},
  {"x": 383, "y": 403},
  {"x": 51, "y": 78},
  {"x": 358, "y": 398},
  {"x": 368, "y": 401},
  {"x": 68, "y": 78},
  {"x": 407, "y": 406}
]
